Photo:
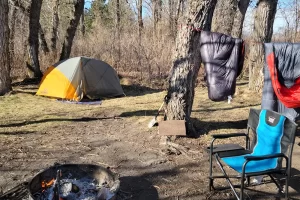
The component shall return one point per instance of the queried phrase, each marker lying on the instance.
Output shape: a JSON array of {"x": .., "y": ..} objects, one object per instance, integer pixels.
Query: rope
[{"x": 191, "y": 27}]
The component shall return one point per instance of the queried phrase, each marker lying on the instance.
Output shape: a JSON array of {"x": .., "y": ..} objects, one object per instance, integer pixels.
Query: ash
[{"x": 78, "y": 189}]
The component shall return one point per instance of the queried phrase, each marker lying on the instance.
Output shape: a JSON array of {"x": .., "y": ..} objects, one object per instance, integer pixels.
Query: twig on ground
[{"x": 175, "y": 148}]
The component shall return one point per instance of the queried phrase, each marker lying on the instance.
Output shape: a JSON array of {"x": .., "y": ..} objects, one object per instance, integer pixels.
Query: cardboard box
[{"x": 172, "y": 127}]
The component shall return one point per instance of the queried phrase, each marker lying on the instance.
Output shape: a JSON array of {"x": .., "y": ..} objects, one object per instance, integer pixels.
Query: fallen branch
[{"x": 174, "y": 148}]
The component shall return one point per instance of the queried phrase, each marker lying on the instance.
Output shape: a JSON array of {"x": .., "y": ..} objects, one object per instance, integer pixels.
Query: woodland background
[{"x": 110, "y": 31}]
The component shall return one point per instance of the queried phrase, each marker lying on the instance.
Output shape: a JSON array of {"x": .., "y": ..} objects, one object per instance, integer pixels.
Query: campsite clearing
[{"x": 36, "y": 132}]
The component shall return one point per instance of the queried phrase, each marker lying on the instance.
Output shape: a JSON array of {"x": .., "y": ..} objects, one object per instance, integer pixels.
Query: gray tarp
[
  {"x": 223, "y": 59},
  {"x": 287, "y": 58}
]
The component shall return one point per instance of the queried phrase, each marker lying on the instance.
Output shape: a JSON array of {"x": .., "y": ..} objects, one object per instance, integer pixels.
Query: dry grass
[{"x": 24, "y": 111}]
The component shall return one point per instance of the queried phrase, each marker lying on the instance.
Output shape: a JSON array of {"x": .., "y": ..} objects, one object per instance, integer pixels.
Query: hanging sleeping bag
[
  {"x": 287, "y": 64},
  {"x": 283, "y": 65},
  {"x": 223, "y": 58}
]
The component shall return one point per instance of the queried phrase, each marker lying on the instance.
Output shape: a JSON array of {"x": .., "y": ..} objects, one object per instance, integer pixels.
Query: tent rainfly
[{"x": 74, "y": 78}]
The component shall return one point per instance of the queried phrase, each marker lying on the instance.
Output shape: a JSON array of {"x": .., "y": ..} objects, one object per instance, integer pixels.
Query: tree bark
[
  {"x": 55, "y": 23},
  {"x": 140, "y": 18},
  {"x": 237, "y": 28},
  {"x": 71, "y": 30},
  {"x": 179, "y": 5},
  {"x": 296, "y": 3},
  {"x": 82, "y": 25},
  {"x": 171, "y": 18},
  {"x": 43, "y": 41},
  {"x": 262, "y": 32},
  {"x": 33, "y": 39},
  {"x": 186, "y": 63},
  {"x": 18, "y": 4},
  {"x": 155, "y": 15},
  {"x": 118, "y": 28},
  {"x": 223, "y": 17},
  {"x": 12, "y": 33},
  {"x": 5, "y": 80},
  {"x": 208, "y": 18},
  {"x": 41, "y": 33},
  {"x": 159, "y": 9}
]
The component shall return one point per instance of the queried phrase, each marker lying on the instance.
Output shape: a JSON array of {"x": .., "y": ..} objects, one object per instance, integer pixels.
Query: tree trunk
[
  {"x": 159, "y": 9},
  {"x": 5, "y": 80},
  {"x": 155, "y": 15},
  {"x": 82, "y": 25},
  {"x": 237, "y": 28},
  {"x": 208, "y": 18},
  {"x": 55, "y": 23},
  {"x": 43, "y": 41},
  {"x": 140, "y": 18},
  {"x": 186, "y": 63},
  {"x": 41, "y": 35},
  {"x": 179, "y": 5},
  {"x": 224, "y": 16},
  {"x": 262, "y": 32},
  {"x": 18, "y": 4},
  {"x": 118, "y": 28},
  {"x": 297, "y": 20},
  {"x": 71, "y": 30},
  {"x": 12, "y": 34},
  {"x": 33, "y": 40},
  {"x": 171, "y": 18}
]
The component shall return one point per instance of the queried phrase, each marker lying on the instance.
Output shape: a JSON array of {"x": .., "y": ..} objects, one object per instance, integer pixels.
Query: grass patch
[{"x": 23, "y": 111}]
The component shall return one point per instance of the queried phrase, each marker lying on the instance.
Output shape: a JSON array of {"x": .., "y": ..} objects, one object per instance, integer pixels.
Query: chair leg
[
  {"x": 248, "y": 181},
  {"x": 287, "y": 187},
  {"x": 242, "y": 188},
  {"x": 211, "y": 179},
  {"x": 227, "y": 178},
  {"x": 286, "y": 191},
  {"x": 277, "y": 184},
  {"x": 211, "y": 183}
]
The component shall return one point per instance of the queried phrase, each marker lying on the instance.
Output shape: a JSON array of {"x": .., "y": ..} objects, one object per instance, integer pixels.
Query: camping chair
[{"x": 273, "y": 137}]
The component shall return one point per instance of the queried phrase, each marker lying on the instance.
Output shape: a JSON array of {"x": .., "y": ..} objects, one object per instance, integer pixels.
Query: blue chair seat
[{"x": 269, "y": 134}]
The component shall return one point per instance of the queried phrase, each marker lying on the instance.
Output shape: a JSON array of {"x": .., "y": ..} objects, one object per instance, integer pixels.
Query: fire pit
[{"x": 74, "y": 181}]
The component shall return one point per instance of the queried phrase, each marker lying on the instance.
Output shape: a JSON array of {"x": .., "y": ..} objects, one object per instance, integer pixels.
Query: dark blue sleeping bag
[{"x": 223, "y": 58}]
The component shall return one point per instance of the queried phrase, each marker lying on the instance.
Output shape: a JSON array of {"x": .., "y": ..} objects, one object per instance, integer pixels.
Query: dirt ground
[{"x": 36, "y": 132}]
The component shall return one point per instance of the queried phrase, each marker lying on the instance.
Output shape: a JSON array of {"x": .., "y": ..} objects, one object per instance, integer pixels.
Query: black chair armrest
[
  {"x": 224, "y": 147},
  {"x": 269, "y": 156},
  {"x": 229, "y": 135},
  {"x": 255, "y": 158}
]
